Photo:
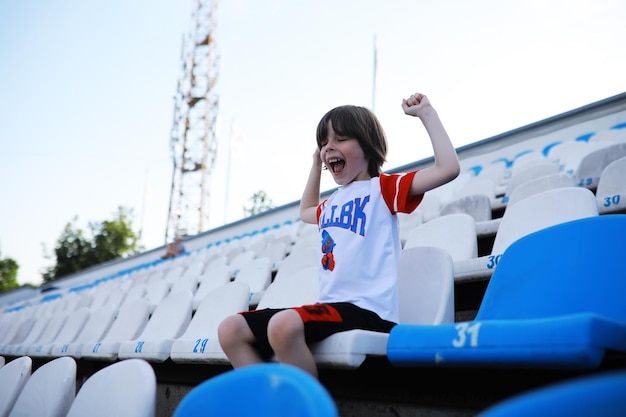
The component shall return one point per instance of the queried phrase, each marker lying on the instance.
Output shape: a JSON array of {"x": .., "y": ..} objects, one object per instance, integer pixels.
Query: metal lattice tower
[{"x": 193, "y": 137}]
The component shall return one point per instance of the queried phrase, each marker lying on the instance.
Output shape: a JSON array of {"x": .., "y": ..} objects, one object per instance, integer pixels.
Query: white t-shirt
[{"x": 361, "y": 242}]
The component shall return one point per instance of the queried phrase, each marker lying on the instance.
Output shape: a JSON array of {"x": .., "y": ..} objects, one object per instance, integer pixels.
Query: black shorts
[{"x": 320, "y": 321}]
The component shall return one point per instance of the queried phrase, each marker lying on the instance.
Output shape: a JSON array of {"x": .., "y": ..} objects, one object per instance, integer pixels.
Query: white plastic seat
[
  {"x": 530, "y": 170},
  {"x": 569, "y": 154},
  {"x": 290, "y": 289},
  {"x": 531, "y": 214},
  {"x": 611, "y": 191},
  {"x": 430, "y": 206},
  {"x": 135, "y": 292},
  {"x": 477, "y": 205},
  {"x": 539, "y": 184},
  {"x": 199, "y": 343},
  {"x": 233, "y": 249},
  {"x": 128, "y": 324},
  {"x": 299, "y": 257},
  {"x": 187, "y": 282},
  {"x": 49, "y": 391},
  {"x": 172, "y": 275},
  {"x": 478, "y": 186},
  {"x": 21, "y": 348},
  {"x": 456, "y": 233},
  {"x": 276, "y": 252},
  {"x": 17, "y": 332},
  {"x": 101, "y": 294},
  {"x": 588, "y": 172},
  {"x": 240, "y": 260},
  {"x": 48, "y": 335},
  {"x": 95, "y": 328},
  {"x": 211, "y": 279},
  {"x": 217, "y": 260},
  {"x": 156, "y": 291},
  {"x": 122, "y": 389},
  {"x": 258, "y": 275},
  {"x": 407, "y": 222},
  {"x": 13, "y": 377},
  {"x": 496, "y": 172},
  {"x": 168, "y": 322},
  {"x": 68, "y": 333},
  {"x": 425, "y": 296}
]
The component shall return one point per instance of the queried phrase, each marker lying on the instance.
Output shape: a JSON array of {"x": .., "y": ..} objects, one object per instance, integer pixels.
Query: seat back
[
  {"x": 271, "y": 389},
  {"x": 295, "y": 288},
  {"x": 542, "y": 210},
  {"x": 539, "y": 184},
  {"x": 611, "y": 191},
  {"x": 170, "y": 318},
  {"x": 257, "y": 274},
  {"x": 426, "y": 286},
  {"x": 124, "y": 389},
  {"x": 476, "y": 205},
  {"x": 49, "y": 391},
  {"x": 456, "y": 233},
  {"x": 592, "y": 395},
  {"x": 218, "y": 304},
  {"x": 211, "y": 279},
  {"x": 591, "y": 166},
  {"x": 130, "y": 321},
  {"x": 573, "y": 267},
  {"x": 13, "y": 377}
]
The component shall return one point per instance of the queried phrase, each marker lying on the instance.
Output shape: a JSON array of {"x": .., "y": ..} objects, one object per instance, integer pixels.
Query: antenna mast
[{"x": 193, "y": 140}]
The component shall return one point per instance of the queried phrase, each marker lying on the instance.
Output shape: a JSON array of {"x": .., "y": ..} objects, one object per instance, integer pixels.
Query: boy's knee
[
  {"x": 228, "y": 329},
  {"x": 283, "y": 327}
]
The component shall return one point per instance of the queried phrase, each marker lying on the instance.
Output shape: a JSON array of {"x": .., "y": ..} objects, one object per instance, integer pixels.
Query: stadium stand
[{"x": 517, "y": 188}]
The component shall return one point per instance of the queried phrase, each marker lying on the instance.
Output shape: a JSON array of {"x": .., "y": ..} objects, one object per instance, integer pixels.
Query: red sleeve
[
  {"x": 319, "y": 211},
  {"x": 395, "y": 189}
]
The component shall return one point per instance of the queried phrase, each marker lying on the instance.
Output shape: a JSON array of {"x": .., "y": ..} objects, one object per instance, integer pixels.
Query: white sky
[{"x": 86, "y": 94}]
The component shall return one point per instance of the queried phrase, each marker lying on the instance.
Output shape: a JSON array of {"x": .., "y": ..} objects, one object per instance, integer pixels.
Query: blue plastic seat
[
  {"x": 600, "y": 395},
  {"x": 555, "y": 301},
  {"x": 264, "y": 390}
]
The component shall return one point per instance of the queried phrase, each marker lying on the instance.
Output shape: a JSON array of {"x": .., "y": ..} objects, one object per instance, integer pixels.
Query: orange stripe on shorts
[{"x": 318, "y": 312}]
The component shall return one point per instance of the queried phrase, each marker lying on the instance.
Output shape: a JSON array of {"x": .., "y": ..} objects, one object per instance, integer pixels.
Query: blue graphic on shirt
[{"x": 328, "y": 244}]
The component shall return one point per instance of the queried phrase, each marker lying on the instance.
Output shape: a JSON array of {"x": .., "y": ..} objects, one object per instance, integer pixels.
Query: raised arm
[
  {"x": 446, "y": 166},
  {"x": 311, "y": 195}
]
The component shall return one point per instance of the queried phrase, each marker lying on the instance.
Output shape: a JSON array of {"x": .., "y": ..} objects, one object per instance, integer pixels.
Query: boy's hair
[{"x": 361, "y": 124}]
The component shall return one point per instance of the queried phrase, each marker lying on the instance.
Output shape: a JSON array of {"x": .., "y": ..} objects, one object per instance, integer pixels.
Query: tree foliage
[
  {"x": 8, "y": 274},
  {"x": 76, "y": 250},
  {"x": 258, "y": 203}
]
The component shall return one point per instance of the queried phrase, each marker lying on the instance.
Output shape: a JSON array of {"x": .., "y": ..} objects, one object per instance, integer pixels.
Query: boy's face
[{"x": 344, "y": 158}]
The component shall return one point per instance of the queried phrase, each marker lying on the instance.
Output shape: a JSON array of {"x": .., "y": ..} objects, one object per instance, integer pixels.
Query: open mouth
[{"x": 336, "y": 165}]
